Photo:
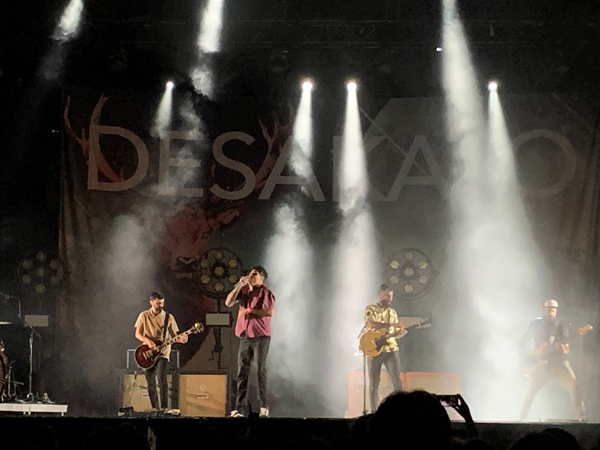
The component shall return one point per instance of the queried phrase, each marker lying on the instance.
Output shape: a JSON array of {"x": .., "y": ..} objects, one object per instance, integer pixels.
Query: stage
[
  {"x": 173, "y": 432},
  {"x": 28, "y": 409}
]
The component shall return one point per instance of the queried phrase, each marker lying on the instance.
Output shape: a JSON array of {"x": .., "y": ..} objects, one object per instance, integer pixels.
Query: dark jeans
[
  {"x": 391, "y": 361},
  {"x": 248, "y": 347},
  {"x": 158, "y": 371},
  {"x": 563, "y": 373}
]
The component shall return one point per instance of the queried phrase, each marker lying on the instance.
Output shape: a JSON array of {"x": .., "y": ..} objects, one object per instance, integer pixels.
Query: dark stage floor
[{"x": 179, "y": 432}]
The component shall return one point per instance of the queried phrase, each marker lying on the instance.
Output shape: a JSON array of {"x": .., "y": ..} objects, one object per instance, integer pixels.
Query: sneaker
[
  {"x": 236, "y": 413},
  {"x": 264, "y": 411},
  {"x": 46, "y": 400}
]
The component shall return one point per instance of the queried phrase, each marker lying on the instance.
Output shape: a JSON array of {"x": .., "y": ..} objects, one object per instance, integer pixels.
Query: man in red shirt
[{"x": 253, "y": 327}]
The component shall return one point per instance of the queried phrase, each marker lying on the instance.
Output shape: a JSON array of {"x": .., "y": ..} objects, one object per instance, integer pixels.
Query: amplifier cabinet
[
  {"x": 436, "y": 383},
  {"x": 134, "y": 391},
  {"x": 443, "y": 383},
  {"x": 356, "y": 391},
  {"x": 203, "y": 395}
]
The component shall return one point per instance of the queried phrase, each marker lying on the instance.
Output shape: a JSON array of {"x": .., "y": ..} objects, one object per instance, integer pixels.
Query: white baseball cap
[{"x": 550, "y": 304}]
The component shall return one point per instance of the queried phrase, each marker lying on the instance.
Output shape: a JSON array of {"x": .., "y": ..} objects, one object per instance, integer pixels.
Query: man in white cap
[{"x": 548, "y": 333}]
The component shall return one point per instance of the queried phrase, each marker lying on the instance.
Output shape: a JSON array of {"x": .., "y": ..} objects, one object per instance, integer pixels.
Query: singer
[{"x": 253, "y": 327}]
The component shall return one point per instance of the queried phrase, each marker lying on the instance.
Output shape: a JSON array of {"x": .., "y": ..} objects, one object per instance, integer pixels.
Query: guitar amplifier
[
  {"x": 436, "y": 383},
  {"x": 134, "y": 391},
  {"x": 174, "y": 364},
  {"x": 442, "y": 383},
  {"x": 356, "y": 391},
  {"x": 203, "y": 395}
]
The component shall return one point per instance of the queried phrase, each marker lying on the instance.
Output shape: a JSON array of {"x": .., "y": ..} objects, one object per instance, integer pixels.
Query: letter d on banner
[{"x": 96, "y": 156}]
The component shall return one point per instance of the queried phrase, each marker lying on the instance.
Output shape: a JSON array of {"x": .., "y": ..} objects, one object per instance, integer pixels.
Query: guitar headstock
[
  {"x": 197, "y": 328},
  {"x": 585, "y": 330},
  {"x": 425, "y": 323}
]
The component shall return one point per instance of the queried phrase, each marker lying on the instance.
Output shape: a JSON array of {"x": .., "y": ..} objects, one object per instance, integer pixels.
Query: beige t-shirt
[{"x": 151, "y": 326}]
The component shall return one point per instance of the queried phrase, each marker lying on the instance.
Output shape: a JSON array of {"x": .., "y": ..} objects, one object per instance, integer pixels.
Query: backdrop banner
[{"x": 186, "y": 211}]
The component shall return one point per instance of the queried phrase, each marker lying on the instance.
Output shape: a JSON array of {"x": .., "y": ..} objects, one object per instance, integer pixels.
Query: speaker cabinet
[
  {"x": 134, "y": 391},
  {"x": 203, "y": 395},
  {"x": 436, "y": 383},
  {"x": 356, "y": 391}
]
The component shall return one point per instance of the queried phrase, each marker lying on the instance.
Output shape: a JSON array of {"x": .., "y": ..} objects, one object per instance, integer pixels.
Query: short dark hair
[
  {"x": 384, "y": 287},
  {"x": 261, "y": 270},
  {"x": 157, "y": 296}
]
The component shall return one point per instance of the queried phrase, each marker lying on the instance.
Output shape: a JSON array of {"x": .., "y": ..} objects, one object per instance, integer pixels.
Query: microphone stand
[
  {"x": 364, "y": 375},
  {"x": 30, "y": 397}
]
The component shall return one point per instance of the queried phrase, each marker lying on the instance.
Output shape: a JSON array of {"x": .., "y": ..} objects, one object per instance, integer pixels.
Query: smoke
[
  {"x": 290, "y": 258},
  {"x": 202, "y": 79},
  {"x": 493, "y": 254},
  {"x": 120, "y": 277}
]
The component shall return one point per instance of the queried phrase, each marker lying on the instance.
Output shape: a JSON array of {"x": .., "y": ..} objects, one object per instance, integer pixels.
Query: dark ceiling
[{"x": 538, "y": 45}]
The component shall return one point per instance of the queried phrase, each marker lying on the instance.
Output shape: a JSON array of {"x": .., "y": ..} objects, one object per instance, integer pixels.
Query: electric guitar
[
  {"x": 146, "y": 357},
  {"x": 372, "y": 342},
  {"x": 538, "y": 357}
]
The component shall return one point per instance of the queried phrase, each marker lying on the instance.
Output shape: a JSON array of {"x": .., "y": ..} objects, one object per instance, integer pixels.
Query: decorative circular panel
[
  {"x": 218, "y": 272},
  {"x": 410, "y": 273},
  {"x": 40, "y": 273}
]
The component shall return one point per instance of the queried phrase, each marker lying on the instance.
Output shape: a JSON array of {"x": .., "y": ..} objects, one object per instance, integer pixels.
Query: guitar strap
[{"x": 166, "y": 325}]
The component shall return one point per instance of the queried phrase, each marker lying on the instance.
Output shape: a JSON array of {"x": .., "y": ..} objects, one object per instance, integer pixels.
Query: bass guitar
[
  {"x": 372, "y": 342},
  {"x": 146, "y": 357},
  {"x": 538, "y": 357}
]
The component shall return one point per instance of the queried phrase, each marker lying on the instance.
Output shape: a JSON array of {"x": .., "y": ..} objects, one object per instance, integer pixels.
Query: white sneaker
[
  {"x": 236, "y": 413},
  {"x": 264, "y": 411}
]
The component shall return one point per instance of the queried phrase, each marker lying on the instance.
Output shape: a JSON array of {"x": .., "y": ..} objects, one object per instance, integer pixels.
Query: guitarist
[
  {"x": 377, "y": 316},
  {"x": 551, "y": 347},
  {"x": 150, "y": 327}
]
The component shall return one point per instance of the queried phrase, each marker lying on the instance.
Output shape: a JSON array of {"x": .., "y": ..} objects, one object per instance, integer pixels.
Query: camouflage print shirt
[{"x": 377, "y": 313}]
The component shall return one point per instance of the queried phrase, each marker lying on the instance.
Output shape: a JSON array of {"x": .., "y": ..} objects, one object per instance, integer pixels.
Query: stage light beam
[
  {"x": 290, "y": 262},
  {"x": 70, "y": 21},
  {"x": 490, "y": 248},
  {"x": 356, "y": 267},
  {"x": 209, "y": 40},
  {"x": 164, "y": 113},
  {"x": 493, "y": 86}
]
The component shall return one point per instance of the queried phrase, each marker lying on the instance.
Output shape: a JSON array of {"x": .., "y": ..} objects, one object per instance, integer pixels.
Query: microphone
[{"x": 243, "y": 285}]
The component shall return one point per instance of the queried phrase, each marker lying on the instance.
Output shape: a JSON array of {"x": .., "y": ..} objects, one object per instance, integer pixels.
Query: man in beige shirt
[{"x": 149, "y": 328}]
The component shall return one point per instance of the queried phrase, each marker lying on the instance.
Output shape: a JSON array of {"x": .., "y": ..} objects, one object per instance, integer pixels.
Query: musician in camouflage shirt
[{"x": 377, "y": 316}]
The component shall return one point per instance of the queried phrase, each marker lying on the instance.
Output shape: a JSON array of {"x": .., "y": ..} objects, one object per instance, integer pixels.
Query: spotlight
[
  {"x": 170, "y": 85},
  {"x": 307, "y": 84},
  {"x": 351, "y": 85},
  {"x": 493, "y": 86},
  {"x": 438, "y": 49}
]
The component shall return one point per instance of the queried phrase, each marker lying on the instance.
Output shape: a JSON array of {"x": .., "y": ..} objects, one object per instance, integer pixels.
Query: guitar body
[
  {"x": 146, "y": 357},
  {"x": 536, "y": 359},
  {"x": 371, "y": 343}
]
